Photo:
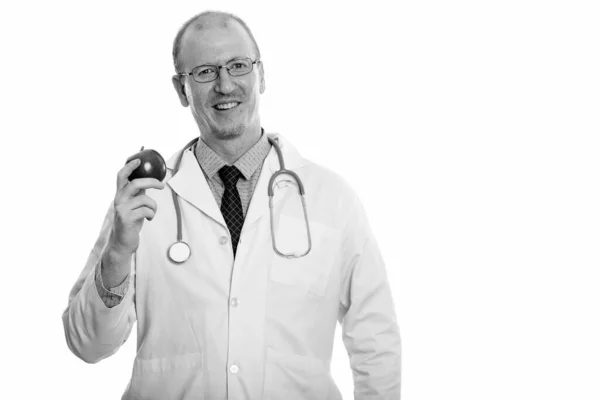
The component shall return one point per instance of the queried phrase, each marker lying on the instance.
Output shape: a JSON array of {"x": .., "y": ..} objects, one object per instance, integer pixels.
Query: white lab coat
[{"x": 259, "y": 327}]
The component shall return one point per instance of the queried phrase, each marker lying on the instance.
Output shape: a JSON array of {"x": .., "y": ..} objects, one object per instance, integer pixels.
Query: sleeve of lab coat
[
  {"x": 92, "y": 330},
  {"x": 367, "y": 314}
]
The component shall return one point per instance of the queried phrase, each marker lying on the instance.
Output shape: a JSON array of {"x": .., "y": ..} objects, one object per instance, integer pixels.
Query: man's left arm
[{"x": 367, "y": 314}]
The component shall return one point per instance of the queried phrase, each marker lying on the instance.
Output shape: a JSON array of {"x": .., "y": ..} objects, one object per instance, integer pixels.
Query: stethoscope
[{"x": 179, "y": 252}]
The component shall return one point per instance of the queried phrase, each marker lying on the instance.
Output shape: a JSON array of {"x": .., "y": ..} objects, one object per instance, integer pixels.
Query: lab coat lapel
[
  {"x": 190, "y": 184},
  {"x": 259, "y": 205}
]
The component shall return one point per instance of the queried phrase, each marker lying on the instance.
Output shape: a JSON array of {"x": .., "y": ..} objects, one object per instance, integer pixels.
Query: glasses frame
[{"x": 218, "y": 68}]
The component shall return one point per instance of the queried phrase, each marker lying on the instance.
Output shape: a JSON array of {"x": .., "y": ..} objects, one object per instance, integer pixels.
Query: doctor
[{"x": 235, "y": 320}]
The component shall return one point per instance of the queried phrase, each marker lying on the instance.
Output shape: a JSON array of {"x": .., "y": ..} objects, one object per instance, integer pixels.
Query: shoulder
[
  {"x": 324, "y": 178},
  {"x": 330, "y": 198},
  {"x": 316, "y": 174}
]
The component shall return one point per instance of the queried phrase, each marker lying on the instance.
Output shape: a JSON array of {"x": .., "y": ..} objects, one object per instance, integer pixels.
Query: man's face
[{"x": 211, "y": 102}]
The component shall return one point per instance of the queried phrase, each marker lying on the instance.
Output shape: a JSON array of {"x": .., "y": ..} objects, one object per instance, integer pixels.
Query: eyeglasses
[{"x": 209, "y": 72}]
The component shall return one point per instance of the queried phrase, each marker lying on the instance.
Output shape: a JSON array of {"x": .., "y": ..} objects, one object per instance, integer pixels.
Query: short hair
[{"x": 225, "y": 16}]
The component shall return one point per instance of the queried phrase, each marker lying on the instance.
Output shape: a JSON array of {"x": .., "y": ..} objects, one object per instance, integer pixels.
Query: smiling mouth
[{"x": 226, "y": 106}]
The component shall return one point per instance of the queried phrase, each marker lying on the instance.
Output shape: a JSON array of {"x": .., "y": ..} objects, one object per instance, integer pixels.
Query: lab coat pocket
[
  {"x": 176, "y": 377},
  {"x": 294, "y": 377},
  {"x": 310, "y": 272}
]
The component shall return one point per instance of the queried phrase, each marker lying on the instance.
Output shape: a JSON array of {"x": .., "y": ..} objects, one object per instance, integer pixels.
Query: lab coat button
[
  {"x": 223, "y": 240},
  {"x": 234, "y": 369},
  {"x": 234, "y": 302}
]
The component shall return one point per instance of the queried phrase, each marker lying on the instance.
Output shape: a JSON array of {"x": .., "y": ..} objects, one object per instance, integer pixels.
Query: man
[{"x": 236, "y": 320}]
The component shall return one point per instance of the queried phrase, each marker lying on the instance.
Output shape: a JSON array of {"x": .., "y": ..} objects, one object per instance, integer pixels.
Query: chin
[{"x": 229, "y": 133}]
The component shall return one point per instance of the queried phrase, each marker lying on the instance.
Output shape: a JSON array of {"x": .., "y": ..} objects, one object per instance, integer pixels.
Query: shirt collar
[{"x": 248, "y": 163}]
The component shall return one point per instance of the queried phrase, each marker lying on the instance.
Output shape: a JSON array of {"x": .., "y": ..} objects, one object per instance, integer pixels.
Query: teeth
[{"x": 226, "y": 106}]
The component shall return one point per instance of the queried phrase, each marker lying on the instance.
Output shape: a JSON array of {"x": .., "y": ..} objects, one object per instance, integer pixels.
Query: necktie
[{"x": 231, "y": 205}]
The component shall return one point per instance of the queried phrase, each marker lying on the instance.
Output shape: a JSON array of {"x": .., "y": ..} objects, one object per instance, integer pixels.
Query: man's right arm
[{"x": 94, "y": 329}]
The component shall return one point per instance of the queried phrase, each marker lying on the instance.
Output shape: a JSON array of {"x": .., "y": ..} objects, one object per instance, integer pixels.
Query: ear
[
  {"x": 261, "y": 74},
  {"x": 180, "y": 89}
]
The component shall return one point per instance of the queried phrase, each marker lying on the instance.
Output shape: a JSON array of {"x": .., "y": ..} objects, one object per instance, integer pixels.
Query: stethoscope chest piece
[{"x": 179, "y": 252}]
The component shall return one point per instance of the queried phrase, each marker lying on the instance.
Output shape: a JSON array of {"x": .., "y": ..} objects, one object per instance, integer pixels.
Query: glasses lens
[
  {"x": 239, "y": 67},
  {"x": 204, "y": 73}
]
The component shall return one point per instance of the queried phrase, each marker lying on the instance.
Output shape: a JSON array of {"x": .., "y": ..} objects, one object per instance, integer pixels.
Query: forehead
[{"x": 209, "y": 42}]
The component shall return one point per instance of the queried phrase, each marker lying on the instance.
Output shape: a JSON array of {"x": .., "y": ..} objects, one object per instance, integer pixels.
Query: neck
[{"x": 233, "y": 148}]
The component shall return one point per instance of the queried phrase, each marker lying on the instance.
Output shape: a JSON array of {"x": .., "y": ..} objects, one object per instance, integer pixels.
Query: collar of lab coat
[{"x": 190, "y": 184}]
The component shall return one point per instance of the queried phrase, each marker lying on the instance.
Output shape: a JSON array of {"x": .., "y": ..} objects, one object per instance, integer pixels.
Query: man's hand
[{"x": 131, "y": 206}]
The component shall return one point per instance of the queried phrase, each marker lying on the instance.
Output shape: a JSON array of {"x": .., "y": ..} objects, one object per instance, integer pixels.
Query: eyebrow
[{"x": 227, "y": 62}]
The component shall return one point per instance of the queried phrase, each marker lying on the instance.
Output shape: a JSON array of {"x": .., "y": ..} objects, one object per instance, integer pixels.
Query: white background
[{"x": 469, "y": 129}]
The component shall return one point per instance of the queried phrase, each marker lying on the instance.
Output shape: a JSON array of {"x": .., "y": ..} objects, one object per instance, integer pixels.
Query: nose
[{"x": 224, "y": 83}]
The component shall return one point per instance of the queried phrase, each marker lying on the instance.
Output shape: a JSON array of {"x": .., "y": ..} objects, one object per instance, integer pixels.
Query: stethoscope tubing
[
  {"x": 175, "y": 197},
  {"x": 282, "y": 170}
]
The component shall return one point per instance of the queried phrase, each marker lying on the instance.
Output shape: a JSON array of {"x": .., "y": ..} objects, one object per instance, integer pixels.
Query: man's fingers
[
  {"x": 125, "y": 172},
  {"x": 143, "y": 212},
  {"x": 141, "y": 201},
  {"x": 134, "y": 187},
  {"x": 126, "y": 211}
]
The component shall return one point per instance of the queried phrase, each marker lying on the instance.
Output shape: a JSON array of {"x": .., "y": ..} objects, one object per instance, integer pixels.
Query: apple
[{"x": 152, "y": 165}]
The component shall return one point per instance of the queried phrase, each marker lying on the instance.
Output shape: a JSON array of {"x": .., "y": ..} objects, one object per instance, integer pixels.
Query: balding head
[{"x": 207, "y": 19}]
